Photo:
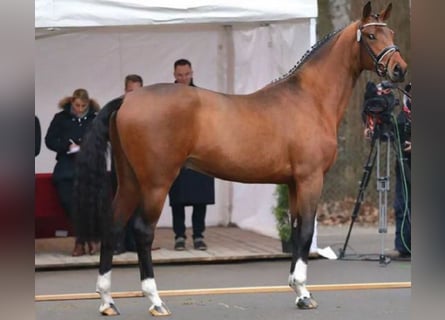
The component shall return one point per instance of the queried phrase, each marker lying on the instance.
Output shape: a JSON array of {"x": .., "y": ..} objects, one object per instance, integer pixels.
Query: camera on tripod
[
  {"x": 378, "y": 106},
  {"x": 379, "y": 103}
]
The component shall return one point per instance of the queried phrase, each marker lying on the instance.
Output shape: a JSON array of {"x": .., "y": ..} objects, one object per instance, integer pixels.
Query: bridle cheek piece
[{"x": 380, "y": 67}]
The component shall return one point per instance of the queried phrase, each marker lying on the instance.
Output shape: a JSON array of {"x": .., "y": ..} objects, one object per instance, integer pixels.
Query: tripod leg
[
  {"x": 383, "y": 188},
  {"x": 367, "y": 169}
]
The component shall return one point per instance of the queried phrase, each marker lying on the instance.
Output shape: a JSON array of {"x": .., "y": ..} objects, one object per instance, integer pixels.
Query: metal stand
[
  {"x": 383, "y": 188},
  {"x": 383, "y": 184}
]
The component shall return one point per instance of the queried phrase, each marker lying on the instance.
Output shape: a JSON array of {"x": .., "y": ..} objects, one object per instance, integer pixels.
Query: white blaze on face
[{"x": 150, "y": 290}]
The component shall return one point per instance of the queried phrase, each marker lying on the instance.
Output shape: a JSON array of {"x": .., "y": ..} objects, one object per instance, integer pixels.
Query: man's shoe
[
  {"x": 120, "y": 248},
  {"x": 93, "y": 247},
  {"x": 199, "y": 244},
  {"x": 404, "y": 256},
  {"x": 397, "y": 255},
  {"x": 180, "y": 244},
  {"x": 79, "y": 250}
]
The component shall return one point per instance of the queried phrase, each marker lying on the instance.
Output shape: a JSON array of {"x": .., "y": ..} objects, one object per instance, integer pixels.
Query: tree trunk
[{"x": 342, "y": 181}]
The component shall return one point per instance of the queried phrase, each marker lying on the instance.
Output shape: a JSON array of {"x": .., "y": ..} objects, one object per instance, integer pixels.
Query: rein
[
  {"x": 380, "y": 68},
  {"x": 406, "y": 93}
]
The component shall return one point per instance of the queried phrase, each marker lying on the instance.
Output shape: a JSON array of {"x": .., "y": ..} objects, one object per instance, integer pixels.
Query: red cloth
[{"x": 48, "y": 213}]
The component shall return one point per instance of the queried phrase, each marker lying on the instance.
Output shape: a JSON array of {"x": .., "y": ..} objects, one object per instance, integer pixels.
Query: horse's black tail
[{"x": 92, "y": 187}]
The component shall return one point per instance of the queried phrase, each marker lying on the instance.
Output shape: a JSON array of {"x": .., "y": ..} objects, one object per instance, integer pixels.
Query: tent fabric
[
  {"x": 230, "y": 58},
  {"x": 90, "y": 13}
]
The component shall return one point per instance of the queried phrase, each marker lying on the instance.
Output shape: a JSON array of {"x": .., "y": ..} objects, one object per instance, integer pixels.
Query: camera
[
  {"x": 379, "y": 100},
  {"x": 385, "y": 84},
  {"x": 378, "y": 105}
]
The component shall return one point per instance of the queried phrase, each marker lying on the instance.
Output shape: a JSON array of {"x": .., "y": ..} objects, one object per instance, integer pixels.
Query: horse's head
[{"x": 378, "y": 51}]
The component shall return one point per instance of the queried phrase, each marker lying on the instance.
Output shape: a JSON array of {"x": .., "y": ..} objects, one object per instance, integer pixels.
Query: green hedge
[{"x": 281, "y": 212}]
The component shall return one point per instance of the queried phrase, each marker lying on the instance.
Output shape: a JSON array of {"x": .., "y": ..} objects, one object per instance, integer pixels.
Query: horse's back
[
  {"x": 168, "y": 113},
  {"x": 235, "y": 137}
]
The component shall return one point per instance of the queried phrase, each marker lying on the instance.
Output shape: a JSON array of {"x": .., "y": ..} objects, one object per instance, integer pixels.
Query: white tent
[{"x": 234, "y": 46}]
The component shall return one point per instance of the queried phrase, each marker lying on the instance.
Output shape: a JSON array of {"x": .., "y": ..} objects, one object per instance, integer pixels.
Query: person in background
[
  {"x": 64, "y": 136},
  {"x": 402, "y": 201},
  {"x": 125, "y": 241},
  {"x": 37, "y": 136},
  {"x": 380, "y": 102},
  {"x": 190, "y": 188}
]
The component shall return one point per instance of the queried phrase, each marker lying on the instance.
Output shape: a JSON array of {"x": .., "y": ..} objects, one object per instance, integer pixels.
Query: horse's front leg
[
  {"x": 144, "y": 236},
  {"x": 303, "y": 204}
]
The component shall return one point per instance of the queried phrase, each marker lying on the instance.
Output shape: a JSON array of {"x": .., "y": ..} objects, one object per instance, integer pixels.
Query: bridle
[{"x": 380, "y": 68}]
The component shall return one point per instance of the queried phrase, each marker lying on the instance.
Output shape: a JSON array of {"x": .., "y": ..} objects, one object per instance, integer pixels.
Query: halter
[{"x": 380, "y": 68}]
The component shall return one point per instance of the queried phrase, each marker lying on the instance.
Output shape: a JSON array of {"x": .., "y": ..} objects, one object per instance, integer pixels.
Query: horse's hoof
[
  {"x": 110, "y": 311},
  {"x": 307, "y": 303},
  {"x": 159, "y": 311}
]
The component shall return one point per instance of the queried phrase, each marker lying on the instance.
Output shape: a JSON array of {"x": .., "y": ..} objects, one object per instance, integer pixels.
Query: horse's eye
[{"x": 371, "y": 36}]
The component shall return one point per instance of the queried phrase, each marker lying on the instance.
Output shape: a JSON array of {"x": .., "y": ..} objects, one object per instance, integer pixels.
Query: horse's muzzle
[{"x": 398, "y": 73}]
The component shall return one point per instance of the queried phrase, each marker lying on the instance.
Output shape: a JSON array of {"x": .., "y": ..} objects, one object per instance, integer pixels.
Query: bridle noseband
[{"x": 380, "y": 68}]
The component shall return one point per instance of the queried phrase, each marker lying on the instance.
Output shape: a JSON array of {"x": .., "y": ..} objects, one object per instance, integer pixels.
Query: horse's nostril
[{"x": 398, "y": 72}]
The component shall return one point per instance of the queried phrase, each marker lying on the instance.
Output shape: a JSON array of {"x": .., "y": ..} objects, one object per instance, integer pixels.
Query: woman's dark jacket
[{"x": 63, "y": 127}]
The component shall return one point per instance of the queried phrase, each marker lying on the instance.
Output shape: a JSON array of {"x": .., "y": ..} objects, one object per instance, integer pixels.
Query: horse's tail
[{"x": 92, "y": 188}]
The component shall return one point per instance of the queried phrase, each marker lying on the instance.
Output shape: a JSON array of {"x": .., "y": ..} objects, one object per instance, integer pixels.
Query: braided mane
[{"x": 308, "y": 54}]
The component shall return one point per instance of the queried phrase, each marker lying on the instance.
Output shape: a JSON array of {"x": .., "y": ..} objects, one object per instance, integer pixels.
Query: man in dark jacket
[{"x": 190, "y": 188}]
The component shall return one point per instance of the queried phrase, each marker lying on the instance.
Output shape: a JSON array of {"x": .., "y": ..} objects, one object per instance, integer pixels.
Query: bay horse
[{"x": 284, "y": 133}]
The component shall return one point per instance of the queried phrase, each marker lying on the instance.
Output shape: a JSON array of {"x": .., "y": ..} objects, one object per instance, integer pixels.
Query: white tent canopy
[
  {"x": 94, "y": 13},
  {"x": 234, "y": 46}
]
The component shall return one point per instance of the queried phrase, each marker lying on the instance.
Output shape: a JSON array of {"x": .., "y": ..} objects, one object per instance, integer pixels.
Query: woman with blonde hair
[{"x": 64, "y": 136}]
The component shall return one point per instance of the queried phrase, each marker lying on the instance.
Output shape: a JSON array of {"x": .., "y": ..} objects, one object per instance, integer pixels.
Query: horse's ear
[
  {"x": 366, "y": 10},
  {"x": 386, "y": 13}
]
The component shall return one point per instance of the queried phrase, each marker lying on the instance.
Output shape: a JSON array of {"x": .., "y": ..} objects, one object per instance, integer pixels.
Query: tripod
[{"x": 382, "y": 133}]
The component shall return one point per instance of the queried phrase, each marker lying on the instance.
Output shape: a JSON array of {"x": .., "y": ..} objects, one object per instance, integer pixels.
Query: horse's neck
[
  {"x": 340, "y": 68},
  {"x": 330, "y": 77}
]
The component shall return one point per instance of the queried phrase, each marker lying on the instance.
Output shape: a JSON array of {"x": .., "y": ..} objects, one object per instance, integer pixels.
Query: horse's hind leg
[
  {"x": 125, "y": 201},
  {"x": 124, "y": 204},
  {"x": 303, "y": 204},
  {"x": 145, "y": 224}
]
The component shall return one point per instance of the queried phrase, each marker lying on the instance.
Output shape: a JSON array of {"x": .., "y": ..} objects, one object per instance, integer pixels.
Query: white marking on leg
[
  {"x": 314, "y": 245},
  {"x": 103, "y": 287},
  {"x": 150, "y": 290},
  {"x": 297, "y": 280}
]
